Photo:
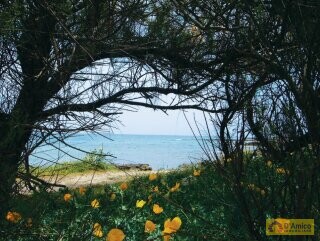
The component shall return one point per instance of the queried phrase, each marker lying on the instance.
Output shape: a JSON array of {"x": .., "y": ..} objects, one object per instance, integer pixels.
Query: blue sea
[{"x": 159, "y": 151}]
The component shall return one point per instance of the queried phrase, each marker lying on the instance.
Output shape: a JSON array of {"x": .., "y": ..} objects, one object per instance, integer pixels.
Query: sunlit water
[{"x": 160, "y": 152}]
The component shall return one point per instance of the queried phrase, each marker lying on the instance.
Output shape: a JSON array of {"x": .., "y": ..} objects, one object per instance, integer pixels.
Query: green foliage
[
  {"x": 207, "y": 204},
  {"x": 94, "y": 161}
]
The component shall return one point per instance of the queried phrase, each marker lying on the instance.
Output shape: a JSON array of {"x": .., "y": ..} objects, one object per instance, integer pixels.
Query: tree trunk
[
  {"x": 14, "y": 136},
  {"x": 8, "y": 170}
]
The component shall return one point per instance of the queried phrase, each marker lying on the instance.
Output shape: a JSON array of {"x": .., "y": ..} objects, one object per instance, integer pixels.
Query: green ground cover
[{"x": 190, "y": 204}]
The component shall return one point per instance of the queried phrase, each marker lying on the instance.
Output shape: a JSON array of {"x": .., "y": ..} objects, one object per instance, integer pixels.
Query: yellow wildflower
[
  {"x": 67, "y": 197},
  {"x": 157, "y": 209},
  {"x": 166, "y": 237},
  {"x": 95, "y": 203},
  {"x": 97, "y": 230},
  {"x": 140, "y": 203},
  {"x": 263, "y": 192},
  {"x": 172, "y": 226},
  {"x": 251, "y": 186},
  {"x": 13, "y": 217},
  {"x": 153, "y": 176},
  {"x": 98, "y": 233},
  {"x": 269, "y": 163},
  {"x": 113, "y": 196},
  {"x": 196, "y": 173},
  {"x": 149, "y": 226},
  {"x": 282, "y": 171},
  {"x": 175, "y": 187},
  {"x": 82, "y": 190},
  {"x": 124, "y": 186},
  {"x": 97, "y": 226},
  {"x": 115, "y": 235}
]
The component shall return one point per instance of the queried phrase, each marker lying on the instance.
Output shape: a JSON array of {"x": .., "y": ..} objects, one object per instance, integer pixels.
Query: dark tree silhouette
[
  {"x": 67, "y": 67},
  {"x": 73, "y": 66},
  {"x": 270, "y": 92}
]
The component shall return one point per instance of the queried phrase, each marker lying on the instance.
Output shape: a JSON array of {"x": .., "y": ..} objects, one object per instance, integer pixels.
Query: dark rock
[{"x": 139, "y": 167}]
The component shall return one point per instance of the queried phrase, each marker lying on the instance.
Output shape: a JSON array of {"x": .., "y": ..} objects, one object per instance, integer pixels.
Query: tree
[
  {"x": 269, "y": 92},
  {"x": 71, "y": 66},
  {"x": 275, "y": 49}
]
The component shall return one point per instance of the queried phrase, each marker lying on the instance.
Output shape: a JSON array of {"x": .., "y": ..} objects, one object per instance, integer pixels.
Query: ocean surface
[{"x": 159, "y": 151}]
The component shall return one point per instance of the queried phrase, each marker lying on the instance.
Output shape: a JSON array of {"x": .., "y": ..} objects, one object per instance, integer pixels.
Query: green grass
[
  {"x": 94, "y": 161},
  {"x": 208, "y": 205},
  {"x": 74, "y": 167}
]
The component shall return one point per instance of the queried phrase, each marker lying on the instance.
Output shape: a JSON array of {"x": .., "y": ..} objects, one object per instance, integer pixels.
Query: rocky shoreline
[{"x": 139, "y": 167}]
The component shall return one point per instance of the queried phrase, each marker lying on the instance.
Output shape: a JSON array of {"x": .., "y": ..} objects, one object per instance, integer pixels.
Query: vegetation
[
  {"x": 94, "y": 161},
  {"x": 201, "y": 197},
  {"x": 254, "y": 65},
  {"x": 72, "y": 66}
]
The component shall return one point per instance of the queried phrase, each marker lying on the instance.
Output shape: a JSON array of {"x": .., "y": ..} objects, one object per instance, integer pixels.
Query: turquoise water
[{"x": 160, "y": 152}]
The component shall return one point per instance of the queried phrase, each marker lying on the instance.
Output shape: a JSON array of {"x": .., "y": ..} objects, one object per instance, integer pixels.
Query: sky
[{"x": 149, "y": 122}]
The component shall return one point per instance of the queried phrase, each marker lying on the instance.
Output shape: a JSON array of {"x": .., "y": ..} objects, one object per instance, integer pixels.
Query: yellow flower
[
  {"x": 98, "y": 233},
  {"x": 97, "y": 230},
  {"x": 115, "y": 235},
  {"x": 157, "y": 209},
  {"x": 124, "y": 186},
  {"x": 67, "y": 197},
  {"x": 156, "y": 189},
  {"x": 282, "y": 171},
  {"x": 196, "y": 173},
  {"x": 140, "y": 203},
  {"x": 263, "y": 192},
  {"x": 175, "y": 187},
  {"x": 251, "y": 186},
  {"x": 166, "y": 237},
  {"x": 172, "y": 226},
  {"x": 13, "y": 217},
  {"x": 149, "y": 226},
  {"x": 269, "y": 163},
  {"x": 82, "y": 190},
  {"x": 97, "y": 226},
  {"x": 113, "y": 196},
  {"x": 153, "y": 176},
  {"x": 95, "y": 203}
]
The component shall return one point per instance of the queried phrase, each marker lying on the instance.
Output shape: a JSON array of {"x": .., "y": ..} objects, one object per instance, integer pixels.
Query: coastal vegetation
[
  {"x": 252, "y": 67},
  {"x": 194, "y": 203},
  {"x": 94, "y": 161}
]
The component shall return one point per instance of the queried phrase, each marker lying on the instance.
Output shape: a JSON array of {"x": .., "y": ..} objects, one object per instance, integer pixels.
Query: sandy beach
[{"x": 96, "y": 178}]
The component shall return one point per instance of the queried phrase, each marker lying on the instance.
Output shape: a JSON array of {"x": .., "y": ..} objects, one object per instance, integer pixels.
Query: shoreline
[{"x": 87, "y": 179}]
